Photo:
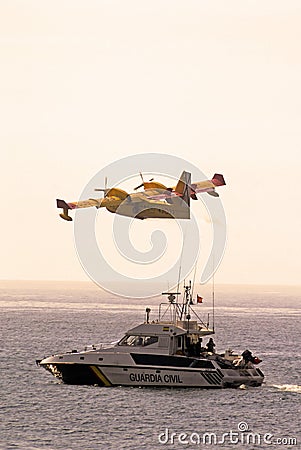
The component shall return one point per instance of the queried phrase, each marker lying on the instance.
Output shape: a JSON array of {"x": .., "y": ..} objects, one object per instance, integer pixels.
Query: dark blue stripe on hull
[
  {"x": 171, "y": 361},
  {"x": 74, "y": 374}
]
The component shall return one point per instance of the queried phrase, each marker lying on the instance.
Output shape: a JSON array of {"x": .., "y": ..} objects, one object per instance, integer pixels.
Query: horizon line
[{"x": 149, "y": 281}]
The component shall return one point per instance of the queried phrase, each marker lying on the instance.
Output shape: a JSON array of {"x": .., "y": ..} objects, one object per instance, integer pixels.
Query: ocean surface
[{"x": 37, "y": 412}]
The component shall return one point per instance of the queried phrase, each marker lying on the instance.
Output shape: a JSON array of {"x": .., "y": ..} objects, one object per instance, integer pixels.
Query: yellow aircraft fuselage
[
  {"x": 155, "y": 201},
  {"x": 139, "y": 206}
]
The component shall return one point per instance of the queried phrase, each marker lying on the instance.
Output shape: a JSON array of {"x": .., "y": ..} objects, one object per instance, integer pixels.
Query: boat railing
[{"x": 167, "y": 310}]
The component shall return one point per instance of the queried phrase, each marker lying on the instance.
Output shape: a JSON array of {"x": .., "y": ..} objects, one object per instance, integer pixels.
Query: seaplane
[{"x": 154, "y": 201}]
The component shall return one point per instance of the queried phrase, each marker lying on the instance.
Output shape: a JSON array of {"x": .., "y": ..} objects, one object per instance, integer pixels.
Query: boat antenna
[
  {"x": 193, "y": 280},
  {"x": 213, "y": 296},
  {"x": 180, "y": 266},
  {"x": 179, "y": 275}
]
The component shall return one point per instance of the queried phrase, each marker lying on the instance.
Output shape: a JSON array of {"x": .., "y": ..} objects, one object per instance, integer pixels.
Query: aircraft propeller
[
  {"x": 105, "y": 189},
  {"x": 140, "y": 185}
]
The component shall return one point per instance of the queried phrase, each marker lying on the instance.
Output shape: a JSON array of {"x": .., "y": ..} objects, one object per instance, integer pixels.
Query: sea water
[{"x": 39, "y": 412}]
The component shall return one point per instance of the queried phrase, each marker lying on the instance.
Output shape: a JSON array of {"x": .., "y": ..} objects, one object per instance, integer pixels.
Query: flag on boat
[{"x": 199, "y": 299}]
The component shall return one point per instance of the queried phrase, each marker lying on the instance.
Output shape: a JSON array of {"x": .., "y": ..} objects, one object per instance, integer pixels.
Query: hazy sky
[{"x": 217, "y": 83}]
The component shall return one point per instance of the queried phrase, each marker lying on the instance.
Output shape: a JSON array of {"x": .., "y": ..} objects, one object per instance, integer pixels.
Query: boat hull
[{"x": 142, "y": 376}]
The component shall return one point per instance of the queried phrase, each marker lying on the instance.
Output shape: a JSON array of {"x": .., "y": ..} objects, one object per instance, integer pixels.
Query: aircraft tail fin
[{"x": 184, "y": 186}]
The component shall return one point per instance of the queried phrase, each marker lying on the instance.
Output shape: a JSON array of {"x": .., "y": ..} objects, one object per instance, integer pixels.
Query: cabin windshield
[{"x": 135, "y": 340}]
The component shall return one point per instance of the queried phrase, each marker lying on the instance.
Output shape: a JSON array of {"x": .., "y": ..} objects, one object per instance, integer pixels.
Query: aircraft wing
[
  {"x": 208, "y": 185},
  {"x": 80, "y": 204},
  {"x": 113, "y": 196},
  {"x": 195, "y": 188},
  {"x": 74, "y": 205}
]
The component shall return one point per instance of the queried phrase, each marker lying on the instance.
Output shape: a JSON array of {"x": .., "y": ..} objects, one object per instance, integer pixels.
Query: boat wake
[{"x": 288, "y": 387}]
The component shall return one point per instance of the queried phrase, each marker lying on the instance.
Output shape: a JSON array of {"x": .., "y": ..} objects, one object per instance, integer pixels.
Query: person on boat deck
[
  {"x": 247, "y": 356},
  {"x": 139, "y": 341},
  {"x": 198, "y": 347},
  {"x": 210, "y": 346},
  {"x": 189, "y": 347}
]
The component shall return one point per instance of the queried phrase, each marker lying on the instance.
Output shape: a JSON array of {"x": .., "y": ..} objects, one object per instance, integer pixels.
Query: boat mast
[{"x": 187, "y": 301}]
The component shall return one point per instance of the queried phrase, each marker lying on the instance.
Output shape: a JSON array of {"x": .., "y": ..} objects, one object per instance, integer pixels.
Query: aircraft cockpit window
[{"x": 137, "y": 341}]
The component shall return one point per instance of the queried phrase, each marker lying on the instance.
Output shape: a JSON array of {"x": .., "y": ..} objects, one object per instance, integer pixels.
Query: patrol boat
[{"x": 167, "y": 352}]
